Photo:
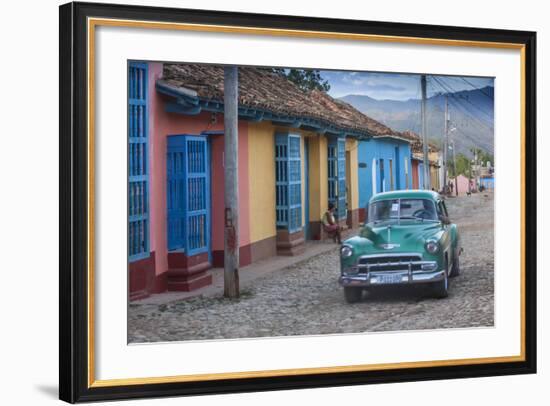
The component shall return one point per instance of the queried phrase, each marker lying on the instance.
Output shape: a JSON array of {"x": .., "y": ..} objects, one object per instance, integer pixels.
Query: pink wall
[
  {"x": 462, "y": 185},
  {"x": 218, "y": 179},
  {"x": 157, "y": 190},
  {"x": 162, "y": 124}
]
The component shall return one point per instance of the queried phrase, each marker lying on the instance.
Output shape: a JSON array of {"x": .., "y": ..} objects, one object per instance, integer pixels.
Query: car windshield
[{"x": 402, "y": 209}]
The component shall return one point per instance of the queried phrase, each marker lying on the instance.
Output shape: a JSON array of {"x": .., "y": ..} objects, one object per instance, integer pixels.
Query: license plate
[{"x": 390, "y": 278}]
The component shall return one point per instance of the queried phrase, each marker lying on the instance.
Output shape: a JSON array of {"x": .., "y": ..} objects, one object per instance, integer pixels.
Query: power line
[
  {"x": 450, "y": 89},
  {"x": 463, "y": 80},
  {"x": 474, "y": 140},
  {"x": 457, "y": 102},
  {"x": 414, "y": 119},
  {"x": 477, "y": 88},
  {"x": 473, "y": 118}
]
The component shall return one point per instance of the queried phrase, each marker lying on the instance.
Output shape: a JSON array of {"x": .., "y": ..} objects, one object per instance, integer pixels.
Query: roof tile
[{"x": 264, "y": 89}]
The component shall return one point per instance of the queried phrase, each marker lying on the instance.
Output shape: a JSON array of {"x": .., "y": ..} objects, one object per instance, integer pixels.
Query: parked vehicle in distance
[{"x": 408, "y": 239}]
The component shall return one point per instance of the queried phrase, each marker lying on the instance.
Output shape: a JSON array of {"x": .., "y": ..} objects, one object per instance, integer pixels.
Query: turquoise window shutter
[
  {"x": 288, "y": 181},
  {"x": 138, "y": 165},
  {"x": 188, "y": 193},
  {"x": 337, "y": 194}
]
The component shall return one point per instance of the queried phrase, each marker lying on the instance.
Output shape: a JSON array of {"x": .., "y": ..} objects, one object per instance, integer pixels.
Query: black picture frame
[{"x": 74, "y": 202}]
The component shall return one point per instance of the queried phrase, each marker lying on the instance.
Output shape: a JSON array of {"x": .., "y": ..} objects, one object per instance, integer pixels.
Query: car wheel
[
  {"x": 353, "y": 295},
  {"x": 441, "y": 288},
  {"x": 456, "y": 265}
]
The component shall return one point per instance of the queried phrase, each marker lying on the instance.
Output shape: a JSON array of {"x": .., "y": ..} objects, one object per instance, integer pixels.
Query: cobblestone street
[{"x": 306, "y": 298}]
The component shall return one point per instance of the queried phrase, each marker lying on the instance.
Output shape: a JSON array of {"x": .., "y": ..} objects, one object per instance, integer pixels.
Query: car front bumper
[{"x": 405, "y": 277}]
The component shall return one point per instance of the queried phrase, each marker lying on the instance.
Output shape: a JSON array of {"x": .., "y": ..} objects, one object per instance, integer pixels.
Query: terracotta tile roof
[
  {"x": 416, "y": 142},
  {"x": 261, "y": 88}
]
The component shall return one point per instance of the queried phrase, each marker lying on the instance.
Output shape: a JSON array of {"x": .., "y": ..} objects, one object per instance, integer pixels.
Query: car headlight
[
  {"x": 432, "y": 246},
  {"x": 346, "y": 251}
]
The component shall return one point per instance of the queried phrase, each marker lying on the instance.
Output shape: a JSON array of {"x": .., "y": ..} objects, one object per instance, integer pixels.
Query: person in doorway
[{"x": 331, "y": 226}]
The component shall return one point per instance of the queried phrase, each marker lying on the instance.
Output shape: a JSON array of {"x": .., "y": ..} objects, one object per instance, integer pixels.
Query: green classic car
[{"x": 407, "y": 239}]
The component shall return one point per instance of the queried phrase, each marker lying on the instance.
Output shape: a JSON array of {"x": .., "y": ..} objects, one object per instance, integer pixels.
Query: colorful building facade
[
  {"x": 384, "y": 165},
  {"x": 488, "y": 182},
  {"x": 298, "y": 151},
  {"x": 417, "y": 169},
  {"x": 435, "y": 171}
]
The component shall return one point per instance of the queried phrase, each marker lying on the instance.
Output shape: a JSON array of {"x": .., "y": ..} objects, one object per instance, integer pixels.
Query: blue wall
[
  {"x": 383, "y": 148},
  {"x": 488, "y": 183}
]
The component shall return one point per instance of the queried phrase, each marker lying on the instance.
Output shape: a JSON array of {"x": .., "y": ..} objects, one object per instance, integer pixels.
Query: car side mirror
[{"x": 444, "y": 219}]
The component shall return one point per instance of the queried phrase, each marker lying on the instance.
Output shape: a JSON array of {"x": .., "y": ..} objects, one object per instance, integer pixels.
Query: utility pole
[
  {"x": 476, "y": 169},
  {"x": 454, "y": 168},
  {"x": 426, "y": 159},
  {"x": 231, "y": 163},
  {"x": 446, "y": 144}
]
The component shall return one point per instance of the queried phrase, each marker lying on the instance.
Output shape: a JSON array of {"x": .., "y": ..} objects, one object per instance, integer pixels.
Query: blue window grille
[
  {"x": 138, "y": 190},
  {"x": 336, "y": 154},
  {"x": 382, "y": 175},
  {"x": 288, "y": 182},
  {"x": 188, "y": 194},
  {"x": 397, "y": 169},
  {"x": 175, "y": 192}
]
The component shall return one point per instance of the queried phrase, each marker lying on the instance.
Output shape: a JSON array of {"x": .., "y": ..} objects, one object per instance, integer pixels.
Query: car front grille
[{"x": 393, "y": 262}]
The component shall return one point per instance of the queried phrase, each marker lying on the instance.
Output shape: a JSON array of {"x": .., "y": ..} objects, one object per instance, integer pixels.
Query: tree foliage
[
  {"x": 482, "y": 156},
  {"x": 462, "y": 164},
  {"x": 305, "y": 79}
]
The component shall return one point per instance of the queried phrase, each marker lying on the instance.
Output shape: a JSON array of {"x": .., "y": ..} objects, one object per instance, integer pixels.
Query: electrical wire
[
  {"x": 457, "y": 102},
  {"x": 473, "y": 139},
  {"x": 477, "y": 88},
  {"x": 450, "y": 89},
  {"x": 461, "y": 80},
  {"x": 475, "y": 120},
  {"x": 414, "y": 119}
]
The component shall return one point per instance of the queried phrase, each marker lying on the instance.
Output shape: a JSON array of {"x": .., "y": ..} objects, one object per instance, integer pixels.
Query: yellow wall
[
  {"x": 261, "y": 172},
  {"x": 353, "y": 182},
  {"x": 261, "y": 152},
  {"x": 434, "y": 172},
  {"x": 318, "y": 170},
  {"x": 302, "y": 177},
  {"x": 434, "y": 177},
  {"x": 318, "y": 173},
  {"x": 433, "y": 156}
]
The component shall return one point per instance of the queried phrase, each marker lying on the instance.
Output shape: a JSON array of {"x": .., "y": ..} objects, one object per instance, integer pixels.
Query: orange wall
[{"x": 415, "y": 168}]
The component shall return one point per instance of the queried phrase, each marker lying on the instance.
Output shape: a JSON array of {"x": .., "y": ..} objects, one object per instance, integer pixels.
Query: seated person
[
  {"x": 330, "y": 225},
  {"x": 428, "y": 211}
]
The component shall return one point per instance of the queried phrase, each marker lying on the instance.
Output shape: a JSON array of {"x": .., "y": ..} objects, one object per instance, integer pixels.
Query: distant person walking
[{"x": 331, "y": 226}]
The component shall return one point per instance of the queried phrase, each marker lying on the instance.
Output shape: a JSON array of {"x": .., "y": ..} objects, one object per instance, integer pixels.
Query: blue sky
[{"x": 393, "y": 86}]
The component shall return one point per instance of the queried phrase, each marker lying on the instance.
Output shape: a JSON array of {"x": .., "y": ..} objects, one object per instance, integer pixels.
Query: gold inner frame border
[{"x": 95, "y": 22}]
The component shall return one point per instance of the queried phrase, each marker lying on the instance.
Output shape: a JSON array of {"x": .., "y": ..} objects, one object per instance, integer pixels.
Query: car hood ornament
[{"x": 389, "y": 245}]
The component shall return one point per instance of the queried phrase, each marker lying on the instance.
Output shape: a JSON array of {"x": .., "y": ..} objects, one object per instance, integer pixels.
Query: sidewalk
[{"x": 247, "y": 274}]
